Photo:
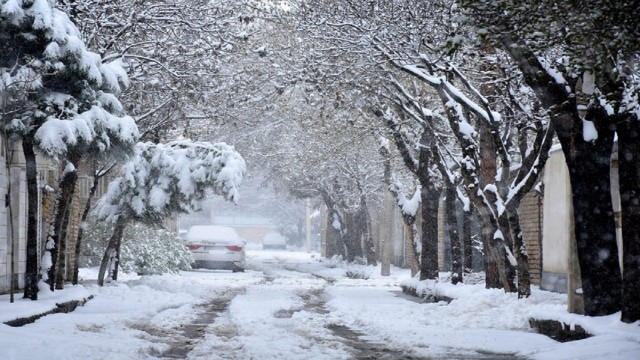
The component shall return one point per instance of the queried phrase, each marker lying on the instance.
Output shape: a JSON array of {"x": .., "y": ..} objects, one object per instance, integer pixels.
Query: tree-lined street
[
  {"x": 410, "y": 132},
  {"x": 292, "y": 305}
]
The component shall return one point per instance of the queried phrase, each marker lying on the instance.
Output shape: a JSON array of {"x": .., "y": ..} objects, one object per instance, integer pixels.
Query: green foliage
[{"x": 145, "y": 250}]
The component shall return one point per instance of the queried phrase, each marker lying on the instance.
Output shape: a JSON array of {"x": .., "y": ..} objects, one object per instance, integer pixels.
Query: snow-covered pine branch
[{"x": 163, "y": 179}]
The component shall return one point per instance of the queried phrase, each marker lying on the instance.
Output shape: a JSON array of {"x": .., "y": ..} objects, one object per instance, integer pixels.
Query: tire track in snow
[
  {"x": 354, "y": 341},
  {"x": 183, "y": 339}
]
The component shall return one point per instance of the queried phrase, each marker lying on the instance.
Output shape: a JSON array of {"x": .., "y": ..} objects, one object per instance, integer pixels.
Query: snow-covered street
[{"x": 293, "y": 305}]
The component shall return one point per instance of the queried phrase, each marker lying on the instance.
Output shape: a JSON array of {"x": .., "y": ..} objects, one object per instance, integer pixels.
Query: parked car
[
  {"x": 216, "y": 247},
  {"x": 274, "y": 240}
]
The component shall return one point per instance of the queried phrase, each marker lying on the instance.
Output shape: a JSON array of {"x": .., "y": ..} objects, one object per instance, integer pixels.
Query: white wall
[
  {"x": 5, "y": 259},
  {"x": 558, "y": 214}
]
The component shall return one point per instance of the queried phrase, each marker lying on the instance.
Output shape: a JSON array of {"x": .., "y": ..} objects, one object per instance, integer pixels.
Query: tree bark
[
  {"x": 52, "y": 240},
  {"x": 333, "y": 242},
  {"x": 507, "y": 260},
  {"x": 31, "y": 270},
  {"x": 413, "y": 234},
  {"x": 62, "y": 250},
  {"x": 67, "y": 189},
  {"x": 492, "y": 274},
  {"x": 595, "y": 230},
  {"x": 116, "y": 261},
  {"x": 520, "y": 252},
  {"x": 467, "y": 241},
  {"x": 454, "y": 238},
  {"x": 496, "y": 271},
  {"x": 386, "y": 231},
  {"x": 589, "y": 166},
  {"x": 629, "y": 174},
  {"x": 414, "y": 237},
  {"x": 351, "y": 234},
  {"x": 429, "y": 254},
  {"x": 367, "y": 236},
  {"x": 111, "y": 252}
]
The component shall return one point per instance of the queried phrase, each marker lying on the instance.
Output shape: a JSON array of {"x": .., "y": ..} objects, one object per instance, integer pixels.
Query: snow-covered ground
[{"x": 292, "y": 305}]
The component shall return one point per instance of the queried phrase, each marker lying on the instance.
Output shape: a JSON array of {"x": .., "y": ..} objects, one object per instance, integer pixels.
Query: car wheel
[{"x": 238, "y": 269}]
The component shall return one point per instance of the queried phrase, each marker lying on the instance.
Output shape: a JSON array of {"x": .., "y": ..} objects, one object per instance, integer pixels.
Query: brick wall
[{"x": 530, "y": 212}]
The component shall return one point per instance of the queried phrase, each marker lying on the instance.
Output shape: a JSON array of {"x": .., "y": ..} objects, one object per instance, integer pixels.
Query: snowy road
[
  {"x": 290, "y": 305},
  {"x": 286, "y": 316}
]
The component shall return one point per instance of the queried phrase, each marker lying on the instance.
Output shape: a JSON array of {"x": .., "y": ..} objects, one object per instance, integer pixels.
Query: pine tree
[
  {"x": 165, "y": 179},
  {"x": 64, "y": 104}
]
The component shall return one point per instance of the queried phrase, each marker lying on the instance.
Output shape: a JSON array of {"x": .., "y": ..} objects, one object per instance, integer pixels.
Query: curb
[{"x": 65, "y": 307}]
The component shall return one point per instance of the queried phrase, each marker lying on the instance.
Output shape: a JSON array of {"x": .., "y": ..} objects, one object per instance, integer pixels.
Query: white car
[
  {"x": 274, "y": 240},
  {"x": 216, "y": 247}
]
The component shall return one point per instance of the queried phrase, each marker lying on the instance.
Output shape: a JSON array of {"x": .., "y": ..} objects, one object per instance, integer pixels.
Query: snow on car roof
[{"x": 212, "y": 232}]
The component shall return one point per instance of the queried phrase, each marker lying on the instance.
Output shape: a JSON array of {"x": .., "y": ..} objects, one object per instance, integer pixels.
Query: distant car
[
  {"x": 274, "y": 240},
  {"x": 216, "y": 247}
]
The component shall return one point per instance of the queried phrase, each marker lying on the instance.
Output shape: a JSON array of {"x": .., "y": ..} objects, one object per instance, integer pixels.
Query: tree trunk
[
  {"x": 454, "y": 238},
  {"x": 494, "y": 262},
  {"x": 67, "y": 188},
  {"x": 333, "y": 242},
  {"x": 85, "y": 214},
  {"x": 62, "y": 251},
  {"x": 367, "y": 236},
  {"x": 50, "y": 256},
  {"x": 506, "y": 258},
  {"x": 414, "y": 237},
  {"x": 115, "y": 262},
  {"x": 520, "y": 252},
  {"x": 386, "y": 231},
  {"x": 351, "y": 234},
  {"x": 31, "y": 270},
  {"x": 413, "y": 234},
  {"x": 629, "y": 174},
  {"x": 111, "y": 252},
  {"x": 466, "y": 240},
  {"x": 589, "y": 174},
  {"x": 492, "y": 275},
  {"x": 429, "y": 254}
]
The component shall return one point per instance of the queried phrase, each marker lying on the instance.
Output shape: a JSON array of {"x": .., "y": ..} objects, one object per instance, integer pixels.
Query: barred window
[{"x": 85, "y": 186}]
